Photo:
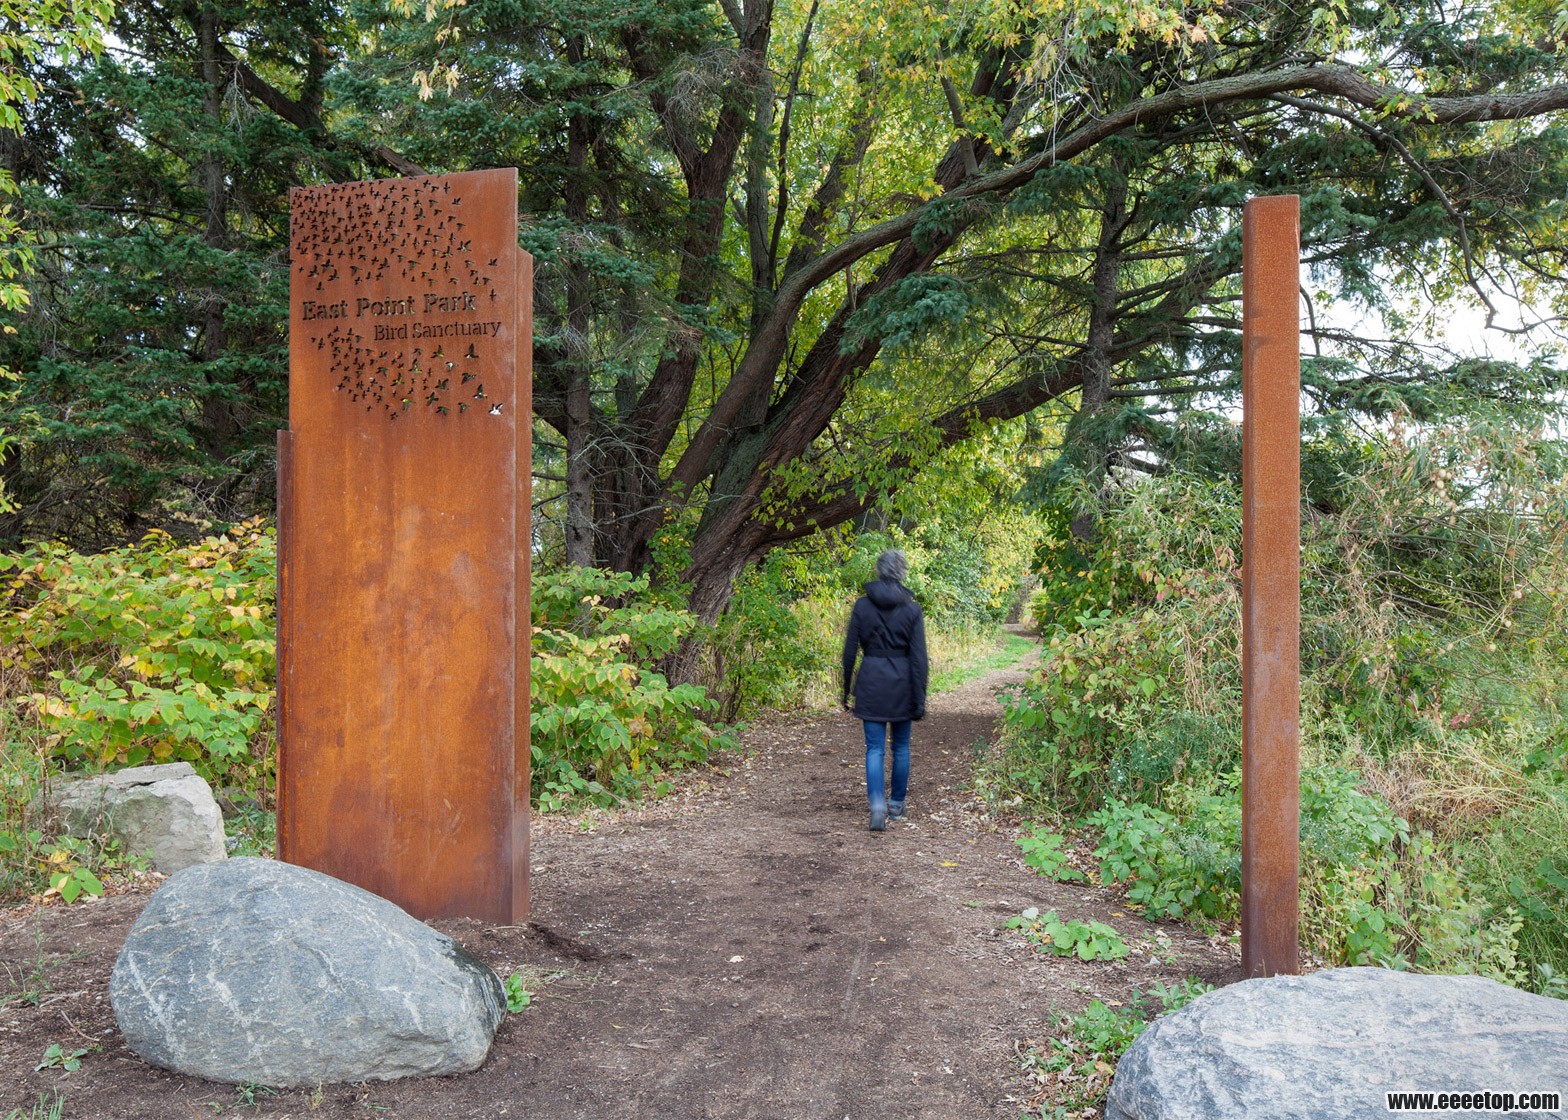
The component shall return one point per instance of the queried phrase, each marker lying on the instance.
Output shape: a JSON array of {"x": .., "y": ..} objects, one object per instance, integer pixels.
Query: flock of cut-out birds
[{"x": 418, "y": 239}]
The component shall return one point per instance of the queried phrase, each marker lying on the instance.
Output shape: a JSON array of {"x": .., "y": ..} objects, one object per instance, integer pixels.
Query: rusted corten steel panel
[
  {"x": 403, "y": 544},
  {"x": 1271, "y": 585}
]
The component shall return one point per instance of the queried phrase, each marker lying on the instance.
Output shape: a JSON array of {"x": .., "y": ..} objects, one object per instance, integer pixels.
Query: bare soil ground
[{"x": 743, "y": 949}]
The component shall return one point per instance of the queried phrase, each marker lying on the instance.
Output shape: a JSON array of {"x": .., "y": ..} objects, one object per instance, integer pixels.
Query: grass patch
[
  {"x": 48, "y": 1108},
  {"x": 977, "y": 659}
]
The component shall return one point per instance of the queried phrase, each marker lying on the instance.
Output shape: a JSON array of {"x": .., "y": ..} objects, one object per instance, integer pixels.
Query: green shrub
[
  {"x": 1522, "y": 859},
  {"x": 1434, "y": 814},
  {"x": 161, "y": 651},
  {"x": 1086, "y": 940},
  {"x": 1173, "y": 867},
  {"x": 148, "y": 653},
  {"x": 1042, "y": 850},
  {"x": 604, "y": 727}
]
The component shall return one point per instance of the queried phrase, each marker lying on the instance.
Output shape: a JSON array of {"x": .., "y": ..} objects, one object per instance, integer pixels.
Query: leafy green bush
[
  {"x": 604, "y": 727},
  {"x": 1086, "y": 940},
  {"x": 161, "y": 651},
  {"x": 148, "y": 653},
  {"x": 1042, "y": 850},
  {"x": 1434, "y": 586},
  {"x": 1173, "y": 867}
]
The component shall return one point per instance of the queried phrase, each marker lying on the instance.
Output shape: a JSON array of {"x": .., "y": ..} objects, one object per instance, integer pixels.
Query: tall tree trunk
[
  {"x": 1092, "y": 449},
  {"x": 579, "y": 315}
]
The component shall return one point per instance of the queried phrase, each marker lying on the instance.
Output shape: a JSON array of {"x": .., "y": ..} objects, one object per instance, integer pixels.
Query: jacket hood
[{"x": 886, "y": 593}]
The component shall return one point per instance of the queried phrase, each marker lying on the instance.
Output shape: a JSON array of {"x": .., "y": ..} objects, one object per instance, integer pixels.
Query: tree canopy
[{"x": 789, "y": 252}]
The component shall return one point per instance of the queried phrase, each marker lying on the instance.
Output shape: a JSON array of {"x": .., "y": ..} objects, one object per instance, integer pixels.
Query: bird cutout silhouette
[{"x": 414, "y": 237}]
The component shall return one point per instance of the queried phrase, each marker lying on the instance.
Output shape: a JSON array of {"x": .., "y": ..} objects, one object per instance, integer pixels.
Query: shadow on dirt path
[{"x": 744, "y": 949}]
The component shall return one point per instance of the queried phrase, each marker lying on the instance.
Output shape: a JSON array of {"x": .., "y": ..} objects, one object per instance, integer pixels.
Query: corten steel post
[
  {"x": 403, "y": 487},
  {"x": 1271, "y": 585}
]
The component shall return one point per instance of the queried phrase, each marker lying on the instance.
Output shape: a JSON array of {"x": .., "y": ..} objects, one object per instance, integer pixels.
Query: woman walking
[{"x": 890, "y": 690}]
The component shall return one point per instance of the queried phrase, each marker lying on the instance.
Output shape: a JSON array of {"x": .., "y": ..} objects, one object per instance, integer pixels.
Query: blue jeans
[{"x": 876, "y": 747}]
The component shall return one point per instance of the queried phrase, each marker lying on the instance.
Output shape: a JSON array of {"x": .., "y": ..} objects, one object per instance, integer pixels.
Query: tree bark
[
  {"x": 579, "y": 317},
  {"x": 1085, "y": 429}
]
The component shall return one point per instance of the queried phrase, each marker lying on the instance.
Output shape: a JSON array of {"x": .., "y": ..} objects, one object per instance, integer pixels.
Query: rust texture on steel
[
  {"x": 403, "y": 491},
  {"x": 1271, "y": 585}
]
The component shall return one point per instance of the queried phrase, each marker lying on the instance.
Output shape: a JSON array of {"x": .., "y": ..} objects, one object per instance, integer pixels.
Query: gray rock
[
  {"x": 166, "y": 812},
  {"x": 256, "y": 971},
  {"x": 1332, "y": 1043}
]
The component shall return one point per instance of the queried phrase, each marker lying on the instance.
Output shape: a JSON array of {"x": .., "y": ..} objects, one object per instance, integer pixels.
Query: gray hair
[{"x": 892, "y": 565}]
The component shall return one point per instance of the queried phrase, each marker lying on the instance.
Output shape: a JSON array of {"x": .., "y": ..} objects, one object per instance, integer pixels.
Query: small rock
[
  {"x": 1331, "y": 1044},
  {"x": 166, "y": 812},
  {"x": 257, "y": 971}
]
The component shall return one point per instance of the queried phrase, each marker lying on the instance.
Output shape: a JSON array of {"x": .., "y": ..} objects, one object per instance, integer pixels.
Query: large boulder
[
  {"x": 256, "y": 971},
  {"x": 1333, "y": 1043},
  {"x": 166, "y": 812}
]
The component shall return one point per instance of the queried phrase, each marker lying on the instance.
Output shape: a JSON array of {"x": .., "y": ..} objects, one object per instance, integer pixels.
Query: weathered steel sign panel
[
  {"x": 1271, "y": 585},
  {"x": 403, "y": 544}
]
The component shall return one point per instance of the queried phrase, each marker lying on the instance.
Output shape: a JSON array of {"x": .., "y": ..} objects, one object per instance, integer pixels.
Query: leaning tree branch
[{"x": 760, "y": 362}]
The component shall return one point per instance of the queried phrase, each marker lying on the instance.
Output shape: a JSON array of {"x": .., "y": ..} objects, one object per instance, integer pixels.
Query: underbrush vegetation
[
  {"x": 166, "y": 651},
  {"x": 1434, "y": 812},
  {"x": 1072, "y": 1069},
  {"x": 154, "y": 652},
  {"x": 606, "y": 726}
]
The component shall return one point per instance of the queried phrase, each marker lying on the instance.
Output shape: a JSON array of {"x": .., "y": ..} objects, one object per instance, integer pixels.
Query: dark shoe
[
  {"x": 878, "y": 819},
  {"x": 895, "y": 810}
]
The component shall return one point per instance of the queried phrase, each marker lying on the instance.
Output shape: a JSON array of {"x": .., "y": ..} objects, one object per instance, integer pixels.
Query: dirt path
[{"x": 746, "y": 949}]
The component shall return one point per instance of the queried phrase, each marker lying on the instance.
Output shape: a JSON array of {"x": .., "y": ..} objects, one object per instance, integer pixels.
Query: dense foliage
[
  {"x": 148, "y": 653},
  {"x": 789, "y": 253},
  {"x": 605, "y": 727},
  {"x": 163, "y": 651},
  {"x": 1433, "y": 794}
]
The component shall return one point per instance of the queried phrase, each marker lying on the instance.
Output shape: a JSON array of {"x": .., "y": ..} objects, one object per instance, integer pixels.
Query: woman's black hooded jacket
[{"x": 887, "y": 624}]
